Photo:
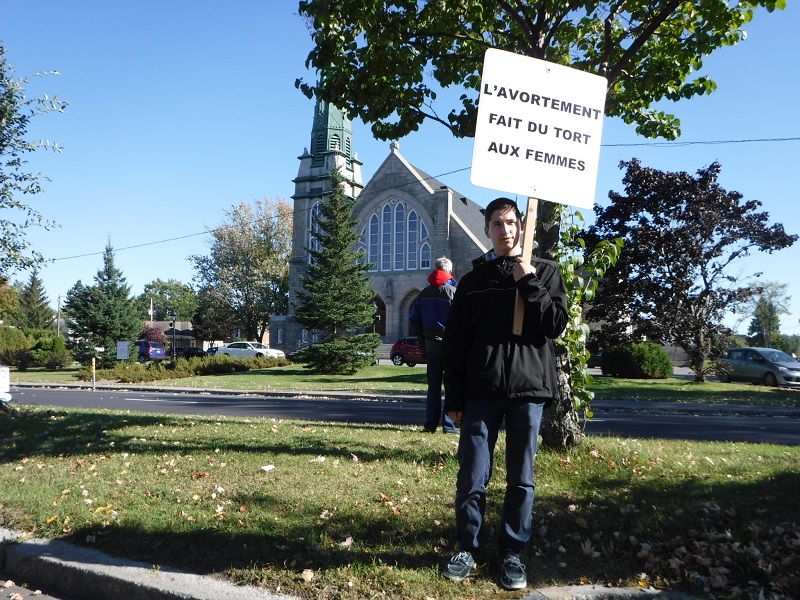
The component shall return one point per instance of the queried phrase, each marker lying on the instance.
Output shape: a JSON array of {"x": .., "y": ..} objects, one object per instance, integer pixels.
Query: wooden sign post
[{"x": 527, "y": 253}]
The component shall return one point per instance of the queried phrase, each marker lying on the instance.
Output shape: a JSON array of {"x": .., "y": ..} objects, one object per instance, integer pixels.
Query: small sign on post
[
  {"x": 5, "y": 384},
  {"x": 537, "y": 135}
]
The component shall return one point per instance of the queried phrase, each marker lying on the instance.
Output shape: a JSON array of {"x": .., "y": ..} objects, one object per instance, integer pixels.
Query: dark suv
[
  {"x": 408, "y": 350},
  {"x": 150, "y": 351}
]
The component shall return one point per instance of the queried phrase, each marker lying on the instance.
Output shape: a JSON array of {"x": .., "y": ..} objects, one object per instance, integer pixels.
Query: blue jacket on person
[{"x": 430, "y": 310}]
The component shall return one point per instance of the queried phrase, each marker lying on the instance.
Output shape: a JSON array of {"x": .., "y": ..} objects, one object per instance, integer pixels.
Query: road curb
[{"x": 93, "y": 575}]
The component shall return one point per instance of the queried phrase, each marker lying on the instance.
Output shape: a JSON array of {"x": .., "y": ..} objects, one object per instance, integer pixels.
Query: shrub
[
  {"x": 638, "y": 360},
  {"x": 14, "y": 348},
  {"x": 51, "y": 352},
  {"x": 133, "y": 372},
  {"x": 342, "y": 356}
]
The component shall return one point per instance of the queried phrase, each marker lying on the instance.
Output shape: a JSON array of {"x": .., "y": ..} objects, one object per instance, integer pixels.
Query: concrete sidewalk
[
  {"x": 82, "y": 573},
  {"x": 70, "y": 572}
]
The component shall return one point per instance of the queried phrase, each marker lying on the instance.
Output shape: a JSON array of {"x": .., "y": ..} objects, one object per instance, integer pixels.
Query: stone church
[{"x": 405, "y": 219}]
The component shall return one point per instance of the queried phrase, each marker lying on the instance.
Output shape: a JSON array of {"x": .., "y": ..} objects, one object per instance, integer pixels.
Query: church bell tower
[{"x": 331, "y": 147}]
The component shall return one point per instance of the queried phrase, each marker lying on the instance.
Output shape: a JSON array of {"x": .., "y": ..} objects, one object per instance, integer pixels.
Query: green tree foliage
[
  {"x": 16, "y": 112},
  {"x": 35, "y": 314},
  {"x": 102, "y": 314},
  {"x": 9, "y": 301},
  {"x": 789, "y": 344},
  {"x": 337, "y": 300},
  {"x": 248, "y": 266},
  {"x": 13, "y": 347},
  {"x": 767, "y": 307},
  {"x": 213, "y": 319},
  {"x": 386, "y": 62},
  {"x": 673, "y": 283},
  {"x": 169, "y": 296}
]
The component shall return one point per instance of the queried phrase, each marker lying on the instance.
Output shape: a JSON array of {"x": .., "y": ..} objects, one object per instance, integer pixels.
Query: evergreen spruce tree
[
  {"x": 337, "y": 301},
  {"x": 35, "y": 315},
  {"x": 103, "y": 314}
]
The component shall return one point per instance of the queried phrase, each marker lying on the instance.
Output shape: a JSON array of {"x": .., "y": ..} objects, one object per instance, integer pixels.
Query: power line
[
  {"x": 700, "y": 143},
  {"x": 182, "y": 237},
  {"x": 650, "y": 144}
]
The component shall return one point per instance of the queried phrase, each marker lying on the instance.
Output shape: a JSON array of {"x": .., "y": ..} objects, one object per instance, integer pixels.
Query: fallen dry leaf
[{"x": 307, "y": 575}]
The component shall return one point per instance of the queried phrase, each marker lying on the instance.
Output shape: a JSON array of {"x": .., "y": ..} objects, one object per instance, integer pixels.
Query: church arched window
[
  {"x": 361, "y": 246},
  {"x": 314, "y": 218},
  {"x": 374, "y": 240},
  {"x": 395, "y": 238},
  {"x": 399, "y": 235},
  {"x": 425, "y": 256},
  {"x": 386, "y": 238},
  {"x": 425, "y": 246},
  {"x": 413, "y": 240}
]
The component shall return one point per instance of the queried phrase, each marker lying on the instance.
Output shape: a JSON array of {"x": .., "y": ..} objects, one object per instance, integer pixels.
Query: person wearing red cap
[{"x": 427, "y": 321}]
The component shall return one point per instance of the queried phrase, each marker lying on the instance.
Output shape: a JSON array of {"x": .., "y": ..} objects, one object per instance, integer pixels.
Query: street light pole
[{"x": 174, "y": 316}]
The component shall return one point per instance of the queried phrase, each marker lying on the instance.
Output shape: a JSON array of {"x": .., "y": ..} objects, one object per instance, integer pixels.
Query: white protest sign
[{"x": 539, "y": 128}]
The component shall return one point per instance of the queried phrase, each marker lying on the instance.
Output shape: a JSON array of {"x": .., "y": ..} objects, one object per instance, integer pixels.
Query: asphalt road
[{"x": 626, "y": 419}]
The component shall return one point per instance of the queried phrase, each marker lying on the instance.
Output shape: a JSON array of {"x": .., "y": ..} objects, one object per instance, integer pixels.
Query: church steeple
[
  {"x": 331, "y": 147},
  {"x": 332, "y": 134}
]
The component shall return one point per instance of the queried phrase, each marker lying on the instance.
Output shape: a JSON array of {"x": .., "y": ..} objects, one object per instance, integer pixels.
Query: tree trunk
[
  {"x": 560, "y": 429},
  {"x": 547, "y": 230}
]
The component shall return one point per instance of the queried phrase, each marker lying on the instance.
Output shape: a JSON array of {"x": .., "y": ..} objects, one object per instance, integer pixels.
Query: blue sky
[{"x": 178, "y": 110}]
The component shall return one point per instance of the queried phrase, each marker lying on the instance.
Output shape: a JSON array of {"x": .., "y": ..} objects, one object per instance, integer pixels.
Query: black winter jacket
[{"x": 483, "y": 359}]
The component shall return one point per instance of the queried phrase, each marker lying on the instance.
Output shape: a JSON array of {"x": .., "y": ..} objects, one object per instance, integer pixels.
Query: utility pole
[{"x": 58, "y": 317}]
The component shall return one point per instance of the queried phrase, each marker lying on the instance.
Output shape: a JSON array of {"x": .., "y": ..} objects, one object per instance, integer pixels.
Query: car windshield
[
  {"x": 258, "y": 346},
  {"x": 778, "y": 356}
]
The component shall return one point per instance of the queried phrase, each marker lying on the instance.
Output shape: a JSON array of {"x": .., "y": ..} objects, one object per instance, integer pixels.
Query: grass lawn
[
  {"x": 327, "y": 510},
  {"x": 677, "y": 389}
]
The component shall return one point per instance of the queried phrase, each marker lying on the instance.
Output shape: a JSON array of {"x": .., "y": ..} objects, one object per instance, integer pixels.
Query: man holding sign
[{"x": 492, "y": 375}]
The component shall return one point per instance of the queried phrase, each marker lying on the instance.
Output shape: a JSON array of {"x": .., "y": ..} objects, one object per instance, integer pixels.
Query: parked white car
[{"x": 240, "y": 349}]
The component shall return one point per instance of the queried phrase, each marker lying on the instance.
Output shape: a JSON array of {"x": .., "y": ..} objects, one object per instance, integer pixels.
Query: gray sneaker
[
  {"x": 459, "y": 567},
  {"x": 512, "y": 573}
]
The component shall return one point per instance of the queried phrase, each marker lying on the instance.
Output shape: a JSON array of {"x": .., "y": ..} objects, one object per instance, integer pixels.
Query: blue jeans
[
  {"x": 434, "y": 413},
  {"x": 479, "y": 430}
]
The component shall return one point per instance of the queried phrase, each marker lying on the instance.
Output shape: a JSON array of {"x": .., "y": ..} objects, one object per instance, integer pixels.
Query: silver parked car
[
  {"x": 240, "y": 349},
  {"x": 766, "y": 366}
]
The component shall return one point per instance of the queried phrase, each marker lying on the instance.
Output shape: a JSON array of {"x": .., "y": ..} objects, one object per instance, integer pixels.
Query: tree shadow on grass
[
  {"x": 690, "y": 535},
  {"x": 55, "y": 432},
  {"x": 720, "y": 539}
]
